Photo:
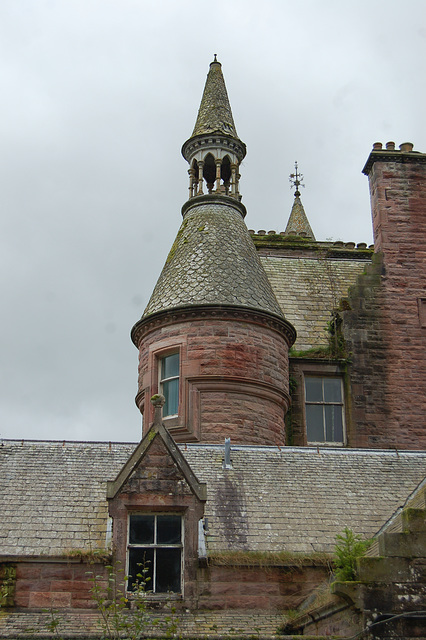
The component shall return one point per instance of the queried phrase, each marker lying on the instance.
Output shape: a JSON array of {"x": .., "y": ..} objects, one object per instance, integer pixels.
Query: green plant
[
  {"x": 7, "y": 585},
  {"x": 54, "y": 622},
  {"x": 91, "y": 556},
  {"x": 127, "y": 617},
  {"x": 113, "y": 605},
  {"x": 268, "y": 559},
  {"x": 349, "y": 547}
]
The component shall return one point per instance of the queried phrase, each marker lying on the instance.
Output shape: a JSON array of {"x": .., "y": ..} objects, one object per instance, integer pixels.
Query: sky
[{"x": 98, "y": 97}]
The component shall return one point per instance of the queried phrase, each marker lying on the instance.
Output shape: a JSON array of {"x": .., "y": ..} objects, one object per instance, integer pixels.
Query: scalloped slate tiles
[{"x": 213, "y": 261}]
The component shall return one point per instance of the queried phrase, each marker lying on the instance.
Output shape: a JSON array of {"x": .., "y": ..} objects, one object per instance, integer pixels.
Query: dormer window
[
  {"x": 155, "y": 552},
  {"x": 169, "y": 383}
]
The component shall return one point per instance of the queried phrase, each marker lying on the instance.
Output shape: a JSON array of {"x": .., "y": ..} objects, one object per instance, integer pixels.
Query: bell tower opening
[
  {"x": 209, "y": 172},
  {"x": 225, "y": 174}
]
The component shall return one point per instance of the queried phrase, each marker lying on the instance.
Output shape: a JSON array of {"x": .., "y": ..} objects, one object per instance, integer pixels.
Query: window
[
  {"x": 169, "y": 383},
  {"x": 155, "y": 544},
  {"x": 324, "y": 409}
]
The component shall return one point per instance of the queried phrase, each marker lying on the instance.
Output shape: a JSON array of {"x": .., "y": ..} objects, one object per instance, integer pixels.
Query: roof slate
[
  {"x": 213, "y": 261},
  {"x": 53, "y": 494},
  {"x": 298, "y": 223},
  {"x": 309, "y": 289},
  {"x": 214, "y": 114}
]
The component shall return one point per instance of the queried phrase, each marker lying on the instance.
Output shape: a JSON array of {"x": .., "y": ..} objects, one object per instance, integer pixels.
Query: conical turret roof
[
  {"x": 213, "y": 261},
  {"x": 298, "y": 223},
  {"x": 214, "y": 114}
]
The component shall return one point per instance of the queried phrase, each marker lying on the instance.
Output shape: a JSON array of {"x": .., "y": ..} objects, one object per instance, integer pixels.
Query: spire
[
  {"x": 214, "y": 151},
  {"x": 214, "y": 114},
  {"x": 298, "y": 224},
  {"x": 213, "y": 260}
]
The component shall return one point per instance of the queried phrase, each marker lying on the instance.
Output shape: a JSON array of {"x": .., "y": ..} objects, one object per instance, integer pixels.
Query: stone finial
[{"x": 158, "y": 401}]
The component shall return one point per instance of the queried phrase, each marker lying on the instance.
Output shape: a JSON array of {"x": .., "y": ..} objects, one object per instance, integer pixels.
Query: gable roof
[
  {"x": 199, "y": 489},
  {"x": 53, "y": 494}
]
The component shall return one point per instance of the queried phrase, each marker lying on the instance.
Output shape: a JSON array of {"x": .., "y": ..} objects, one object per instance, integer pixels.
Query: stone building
[{"x": 282, "y": 387}]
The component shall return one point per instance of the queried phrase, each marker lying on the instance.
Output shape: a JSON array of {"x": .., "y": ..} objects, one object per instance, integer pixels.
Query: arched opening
[
  {"x": 225, "y": 173},
  {"x": 209, "y": 171},
  {"x": 193, "y": 179}
]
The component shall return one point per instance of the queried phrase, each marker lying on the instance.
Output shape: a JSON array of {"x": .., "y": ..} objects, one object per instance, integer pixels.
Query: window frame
[
  {"x": 152, "y": 592},
  {"x": 323, "y": 403},
  {"x": 161, "y": 357}
]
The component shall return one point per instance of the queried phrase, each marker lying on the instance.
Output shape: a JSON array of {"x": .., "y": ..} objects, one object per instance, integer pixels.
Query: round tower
[{"x": 213, "y": 339}]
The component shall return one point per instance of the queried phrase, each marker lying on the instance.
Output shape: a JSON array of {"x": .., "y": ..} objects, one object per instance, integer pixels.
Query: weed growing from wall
[{"x": 349, "y": 547}]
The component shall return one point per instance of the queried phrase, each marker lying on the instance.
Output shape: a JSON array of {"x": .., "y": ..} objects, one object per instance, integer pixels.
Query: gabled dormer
[{"x": 157, "y": 503}]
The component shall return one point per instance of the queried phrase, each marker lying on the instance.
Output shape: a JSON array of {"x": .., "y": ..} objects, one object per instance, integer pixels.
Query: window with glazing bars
[
  {"x": 155, "y": 551},
  {"x": 324, "y": 409},
  {"x": 169, "y": 383}
]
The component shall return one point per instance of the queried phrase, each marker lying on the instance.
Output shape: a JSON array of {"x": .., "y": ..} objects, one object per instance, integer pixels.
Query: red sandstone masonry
[
  {"x": 384, "y": 331},
  {"x": 59, "y": 584},
  {"x": 272, "y": 588},
  {"x": 234, "y": 380}
]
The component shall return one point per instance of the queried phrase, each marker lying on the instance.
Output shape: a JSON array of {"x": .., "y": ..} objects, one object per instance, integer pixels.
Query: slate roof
[
  {"x": 213, "y": 261},
  {"x": 298, "y": 223},
  {"x": 214, "y": 114},
  {"x": 309, "y": 288},
  {"x": 53, "y": 494}
]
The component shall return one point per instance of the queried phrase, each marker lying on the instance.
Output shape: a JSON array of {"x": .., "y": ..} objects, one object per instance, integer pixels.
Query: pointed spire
[
  {"x": 214, "y": 151},
  {"x": 214, "y": 114},
  {"x": 298, "y": 223}
]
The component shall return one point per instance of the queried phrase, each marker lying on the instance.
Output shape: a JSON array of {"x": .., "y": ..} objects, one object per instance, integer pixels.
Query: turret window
[
  {"x": 324, "y": 409},
  {"x": 169, "y": 383}
]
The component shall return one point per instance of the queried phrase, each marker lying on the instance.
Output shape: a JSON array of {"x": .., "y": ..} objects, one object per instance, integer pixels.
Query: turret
[
  {"x": 214, "y": 150},
  {"x": 213, "y": 339}
]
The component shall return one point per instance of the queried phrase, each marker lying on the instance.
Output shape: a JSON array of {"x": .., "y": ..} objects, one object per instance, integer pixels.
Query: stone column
[
  {"x": 191, "y": 172},
  {"x": 218, "y": 165},
  {"x": 200, "y": 177}
]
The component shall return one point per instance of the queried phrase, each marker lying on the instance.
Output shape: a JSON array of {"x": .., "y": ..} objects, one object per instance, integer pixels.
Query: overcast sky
[{"x": 98, "y": 97}]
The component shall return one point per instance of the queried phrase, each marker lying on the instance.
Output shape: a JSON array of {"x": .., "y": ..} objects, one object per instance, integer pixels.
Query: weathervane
[{"x": 295, "y": 180}]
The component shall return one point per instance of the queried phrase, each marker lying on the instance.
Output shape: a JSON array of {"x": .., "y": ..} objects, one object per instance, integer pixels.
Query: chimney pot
[
  {"x": 377, "y": 146},
  {"x": 406, "y": 146},
  {"x": 390, "y": 146}
]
